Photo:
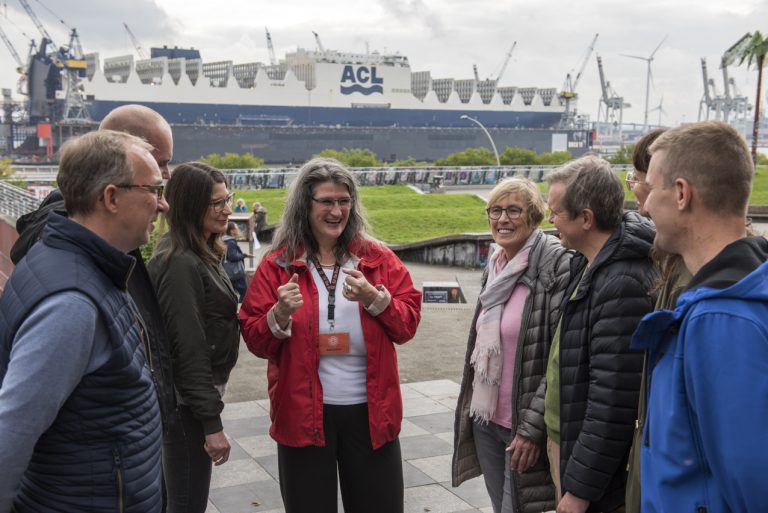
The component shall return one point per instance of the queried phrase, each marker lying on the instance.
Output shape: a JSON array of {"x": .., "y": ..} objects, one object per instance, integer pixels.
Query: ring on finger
[{"x": 347, "y": 288}]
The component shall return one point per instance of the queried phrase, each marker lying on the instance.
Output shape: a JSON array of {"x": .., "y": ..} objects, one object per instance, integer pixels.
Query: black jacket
[
  {"x": 199, "y": 307},
  {"x": 30, "y": 228},
  {"x": 599, "y": 374}
]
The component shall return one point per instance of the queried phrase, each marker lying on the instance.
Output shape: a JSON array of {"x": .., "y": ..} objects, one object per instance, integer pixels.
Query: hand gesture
[
  {"x": 524, "y": 453},
  {"x": 289, "y": 299},
  {"x": 572, "y": 504},
  {"x": 217, "y": 447},
  {"x": 357, "y": 288}
]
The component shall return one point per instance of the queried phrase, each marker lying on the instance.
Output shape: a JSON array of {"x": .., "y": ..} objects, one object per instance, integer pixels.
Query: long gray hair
[{"x": 295, "y": 234}]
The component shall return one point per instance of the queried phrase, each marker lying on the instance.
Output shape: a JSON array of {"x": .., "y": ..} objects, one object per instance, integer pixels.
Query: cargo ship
[{"x": 283, "y": 111}]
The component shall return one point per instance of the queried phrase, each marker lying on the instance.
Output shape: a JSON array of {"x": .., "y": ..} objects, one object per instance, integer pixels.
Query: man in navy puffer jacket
[{"x": 78, "y": 408}]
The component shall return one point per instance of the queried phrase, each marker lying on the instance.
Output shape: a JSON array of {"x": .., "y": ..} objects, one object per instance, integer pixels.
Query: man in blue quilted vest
[{"x": 79, "y": 417}]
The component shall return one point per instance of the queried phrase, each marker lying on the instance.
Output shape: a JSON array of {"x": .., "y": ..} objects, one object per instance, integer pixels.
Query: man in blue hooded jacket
[{"x": 703, "y": 448}]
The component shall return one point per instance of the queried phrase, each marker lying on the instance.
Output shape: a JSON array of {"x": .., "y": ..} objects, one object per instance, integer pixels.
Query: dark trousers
[
  {"x": 186, "y": 465},
  {"x": 240, "y": 286},
  {"x": 370, "y": 481}
]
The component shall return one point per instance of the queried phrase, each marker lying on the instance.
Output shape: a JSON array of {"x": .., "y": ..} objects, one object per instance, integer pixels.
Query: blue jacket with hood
[{"x": 704, "y": 444}]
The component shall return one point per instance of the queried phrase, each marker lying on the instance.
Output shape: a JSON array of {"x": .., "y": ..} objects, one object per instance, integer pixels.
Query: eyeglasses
[
  {"x": 632, "y": 180},
  {"x": 220, "y": 205},
  {"x": 512, "y": 212},
  {"x": 327, "y": 204},
  {"x": 157, "y": 189}
]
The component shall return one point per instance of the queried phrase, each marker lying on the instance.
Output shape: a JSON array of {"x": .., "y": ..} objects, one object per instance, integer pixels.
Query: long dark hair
[
  {"x": 294, "y": 233},
  {"x": 188, "y": 194}
]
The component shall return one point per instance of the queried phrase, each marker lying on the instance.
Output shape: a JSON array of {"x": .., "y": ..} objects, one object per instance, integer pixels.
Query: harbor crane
[
  {"x": 11, "y": 49},
  {"x": 730, "y": 106},
  {"x": 319, "y": 43},
  {"x": 271, "y": 48},
  {"x": 71, "y": 60},
  {"x": 568, "y": 95},
  {"x": 135, "y": 42},
  {"x": 610, "y": 110},
  {"x": 506, "y": 62}
]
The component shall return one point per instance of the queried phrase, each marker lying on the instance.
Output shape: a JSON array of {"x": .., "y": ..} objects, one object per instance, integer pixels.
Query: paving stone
[
  {"x": 261, "y": 496},
  {"x": 424, "y": 446},
  {"x": 433, "y": 498},
  {"x": 259, "y": 445},
  {"x": 408, "y": 392},
  {"x": 415, "y": 477},
  {"x": 436, "y": 387},
  {"x": 408, "y": 428},
  {"x": 250, "y": 426},
  {"x": 243, "y": 410},
  {"x": 447, "y": 436},
  {"x": 447, "y": 400},
  {"x": 269, "y": 463},
  {"x": 422, "y": 406},
  {"x": 436, "y": 467},
  {"x": 238, "y": 472},
  {"x": 472, "y": 492},
  {"x": 435, "y": 422},
  {"x": 211, "y": 508},
  {"x": 236, "y": 452}
]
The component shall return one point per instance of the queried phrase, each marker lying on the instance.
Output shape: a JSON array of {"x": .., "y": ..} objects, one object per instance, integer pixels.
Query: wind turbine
[
  {"x": 661, "y": 110},
  {"x": 648, "y": 60}
]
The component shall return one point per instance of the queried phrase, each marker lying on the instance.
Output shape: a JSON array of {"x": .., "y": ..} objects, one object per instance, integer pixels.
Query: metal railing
[
  {"x": 15, "y": 202},
  {"x": 277, "y": 178}
]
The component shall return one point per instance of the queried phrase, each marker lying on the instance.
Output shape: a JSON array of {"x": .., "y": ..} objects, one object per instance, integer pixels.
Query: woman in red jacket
[{"x": 326, "y": 308}]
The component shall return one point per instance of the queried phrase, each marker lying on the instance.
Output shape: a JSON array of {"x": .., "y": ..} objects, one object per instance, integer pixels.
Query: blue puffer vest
[{"x": 102, "y": 452}]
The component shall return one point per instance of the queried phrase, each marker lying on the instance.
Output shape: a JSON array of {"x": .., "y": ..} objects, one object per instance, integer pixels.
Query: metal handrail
[{"x": 15, "y": 201}]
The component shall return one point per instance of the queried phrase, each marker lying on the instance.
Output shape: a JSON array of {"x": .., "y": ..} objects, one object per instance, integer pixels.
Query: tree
[
  {"x": 409, "y": 162},
  {"x": 233, "y": 161},
  {"x": 554, "y": 158},
  {"x": 752, "y": 48},
  {"x": 469, "y": 157},
  {"x": 355, "y": 157},
  {"x": 623, "y": 155},
  {"x": 517, "y": 157}
]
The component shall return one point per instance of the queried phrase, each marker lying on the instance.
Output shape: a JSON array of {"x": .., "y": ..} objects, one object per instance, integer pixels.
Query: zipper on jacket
[
  {"x": 120, "y": 483},
  {"x": 701, "y": 509}
]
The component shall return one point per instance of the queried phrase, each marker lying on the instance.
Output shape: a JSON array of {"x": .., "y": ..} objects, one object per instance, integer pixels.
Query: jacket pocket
[{"x": 119, "y": 480}]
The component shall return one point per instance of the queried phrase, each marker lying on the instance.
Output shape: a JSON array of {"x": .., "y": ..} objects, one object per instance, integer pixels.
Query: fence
[{"x": 15, "y": 202}]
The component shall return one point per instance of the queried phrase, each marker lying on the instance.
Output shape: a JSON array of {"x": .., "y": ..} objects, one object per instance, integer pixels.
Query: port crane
[
  {"x": 136, "y": 44},
  {"x": 271, "y": 48},
  {"x": 505, "y": 63},
  {"x": 319, "y": 43},
  {"x": 568, "y": 95},
  {"x": 70, "y": 60},
  {"x": 610, "y": 110}
]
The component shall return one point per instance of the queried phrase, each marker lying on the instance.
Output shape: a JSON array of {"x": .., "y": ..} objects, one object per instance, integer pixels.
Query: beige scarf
[{"x": 486, "y": 357}]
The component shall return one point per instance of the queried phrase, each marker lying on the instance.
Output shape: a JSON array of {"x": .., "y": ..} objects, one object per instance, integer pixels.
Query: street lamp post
[{"x": 487, "y": 134}]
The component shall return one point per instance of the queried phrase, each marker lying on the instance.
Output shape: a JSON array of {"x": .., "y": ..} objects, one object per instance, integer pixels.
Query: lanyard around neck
[{"x": 330, "y": 286}]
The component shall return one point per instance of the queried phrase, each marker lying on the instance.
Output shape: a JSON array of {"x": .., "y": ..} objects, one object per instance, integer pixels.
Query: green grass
[{"x": 399, "y": 215}]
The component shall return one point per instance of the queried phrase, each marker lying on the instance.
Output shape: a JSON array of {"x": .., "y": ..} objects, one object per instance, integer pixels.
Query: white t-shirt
[{"x": 342, "y": 376}]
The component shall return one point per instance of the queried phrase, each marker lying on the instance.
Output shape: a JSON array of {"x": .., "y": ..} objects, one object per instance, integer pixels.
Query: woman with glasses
[
  {"x": 199, "y": 307},
  {"x": 499, "y": 429},
  {"x": 326, "y": 307}
]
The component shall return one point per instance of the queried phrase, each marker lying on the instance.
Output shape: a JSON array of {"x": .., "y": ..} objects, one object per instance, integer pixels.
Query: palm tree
[{"x": 752, "y": 48}]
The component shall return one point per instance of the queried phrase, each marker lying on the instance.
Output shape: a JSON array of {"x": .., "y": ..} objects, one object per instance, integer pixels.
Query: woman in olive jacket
[
  {"x": 515, "y": 210},
  {"x": 200, "y": 312}
]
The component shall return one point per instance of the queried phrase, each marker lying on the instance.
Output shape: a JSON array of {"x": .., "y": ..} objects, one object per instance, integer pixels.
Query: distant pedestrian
[
  {"x": 707, "y": 359},
  {"x": 79, "y": 416},
  {"x": 240, "y": 206},
  {"x": 257, "y": 222},
  {"x": 326, "y": 308},
  {"x": 499, "y": 428},
  {"x": 199, "y": 306},
  {"x": 234, "y": 260}
]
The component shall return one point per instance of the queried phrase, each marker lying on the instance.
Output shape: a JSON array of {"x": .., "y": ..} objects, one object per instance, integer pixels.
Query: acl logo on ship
[{"x": 358, "y": 77}]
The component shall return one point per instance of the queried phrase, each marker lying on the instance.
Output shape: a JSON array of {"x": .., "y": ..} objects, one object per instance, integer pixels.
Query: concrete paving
[{"x": 430, "y": 370}]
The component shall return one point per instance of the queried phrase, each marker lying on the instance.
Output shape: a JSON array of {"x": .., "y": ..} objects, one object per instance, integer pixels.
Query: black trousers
[
  {"x": 370, "y": 481},
  {"x": 186, "y": 465}
]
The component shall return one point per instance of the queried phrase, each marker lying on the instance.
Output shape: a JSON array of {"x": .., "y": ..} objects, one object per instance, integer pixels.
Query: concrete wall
[
  {"x": 463, "y": 250},
  {"x": 7, "y": 237}
]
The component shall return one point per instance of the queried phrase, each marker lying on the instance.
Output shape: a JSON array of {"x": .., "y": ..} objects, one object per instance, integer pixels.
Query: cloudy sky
[{"x": 444, "y": 36}]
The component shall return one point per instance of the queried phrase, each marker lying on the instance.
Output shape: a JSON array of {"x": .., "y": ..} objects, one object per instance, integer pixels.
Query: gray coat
[{"x": 546, "y": 278}]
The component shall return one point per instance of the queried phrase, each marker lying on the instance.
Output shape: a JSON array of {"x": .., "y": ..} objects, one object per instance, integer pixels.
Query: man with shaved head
[{"x": 145, "y": 123}]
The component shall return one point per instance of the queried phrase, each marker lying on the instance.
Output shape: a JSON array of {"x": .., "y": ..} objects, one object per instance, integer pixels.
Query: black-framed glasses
[
  {"x": 327, "y": 203},
  {"x": 157, "y": 189},
  {"x": 220, "y": 205},
  {"x": 632, "y": 180},
  {"x": 512, "y": 212}
]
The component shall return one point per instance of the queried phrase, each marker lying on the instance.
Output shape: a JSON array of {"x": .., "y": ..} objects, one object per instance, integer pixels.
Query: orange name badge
[{"x": 334, "y": 343}]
